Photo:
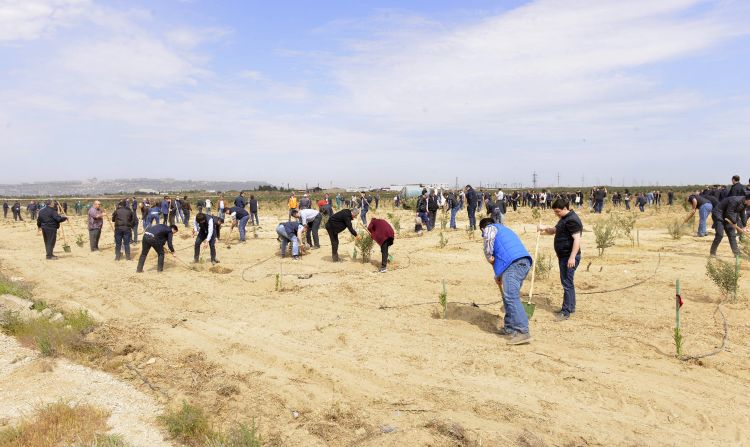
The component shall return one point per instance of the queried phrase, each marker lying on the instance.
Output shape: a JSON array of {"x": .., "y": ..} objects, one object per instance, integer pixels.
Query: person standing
[
  {"x": 96, "y": 221},
  {"x": 239, "y": 201},
  {"x": 16, "y": 209},
  {"x": 186, "y": 209},
  {"x": 47, "y": 222},
  {"x": 336, "y": 224},
  {"x": 422, "y": 213},
  {"x": 5, "y": 209},
  {"x": 124, "y": 220},
  {"x": 311, "y": 219},
  {"x": 155, "y": 237},
  {"x": 730, "y": 215},
  {"x": 471, "y": 206},
  {"x": 203, "y": 229},
  {"x": 670, "y": 197},
  {"x": 737, "y": 188},
  {"x": 166, "y": 205},
  {"x": 305, "y": 203},
  {"x": 239, "y": 218},
  {"x": 208, "y": 207},
  {"x": 291, "y": 204},
  {"x": 511, "y": 264},
  {"x": 382, "y": 233},
  {"x": 567, "y": 245},
  {"x": 453, "y": 205},
  {"x": 432, "y": 208},
  {"x": 254, "y": 210},
  {"x": 365, "y": 204}
]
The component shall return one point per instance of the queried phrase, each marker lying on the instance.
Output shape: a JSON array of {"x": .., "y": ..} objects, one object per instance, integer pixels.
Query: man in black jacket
[
  {"x": 432, "y": 207},
  {"x": 338, "y": 223},
  {"x": 47, "y": 222},
  {"x": 205, "y": 230},
  {"x": 155, "y": 237},
  {"x": 471, "y": 206},
  {"x": 5, "y": 209},
  {"x": 728, "y": 216},
  {"x": 124, "y": 220},
  {"x": 16, "y": 209},
  {"x": 737, "y": 188}
]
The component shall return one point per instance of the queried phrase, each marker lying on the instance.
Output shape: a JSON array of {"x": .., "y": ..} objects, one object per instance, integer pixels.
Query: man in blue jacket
[
  {"x": 239, "y": 218},
  {"x": 155, "y": 237},
  {"x": 511, "y": 263}
]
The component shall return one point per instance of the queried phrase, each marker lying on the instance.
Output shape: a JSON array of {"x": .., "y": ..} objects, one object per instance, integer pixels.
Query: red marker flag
[{"x": 679, "y": 299}]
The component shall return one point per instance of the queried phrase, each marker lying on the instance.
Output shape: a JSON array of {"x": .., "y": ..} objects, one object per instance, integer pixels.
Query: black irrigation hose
[
  {"x": 724, "y": 339},
  {"x": 594, "y": 292}
]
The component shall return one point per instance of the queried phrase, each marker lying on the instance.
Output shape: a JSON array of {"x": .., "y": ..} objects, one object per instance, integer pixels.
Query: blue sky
[{"x": 373, "y": 93}]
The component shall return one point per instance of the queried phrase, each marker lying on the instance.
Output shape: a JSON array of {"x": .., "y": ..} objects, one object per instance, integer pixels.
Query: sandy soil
[
  {"x": 321, "y": 363},
  {"x": 28, "y": 381}
]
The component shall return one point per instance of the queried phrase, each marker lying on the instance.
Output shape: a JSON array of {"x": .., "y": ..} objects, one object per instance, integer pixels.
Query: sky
[{"x": 372, "y": 93}]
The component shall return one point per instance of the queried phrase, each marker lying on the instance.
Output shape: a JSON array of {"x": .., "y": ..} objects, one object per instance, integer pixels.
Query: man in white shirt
[
  {"x": 312, "y": 219},
  {"x": 208, "y": 206}
]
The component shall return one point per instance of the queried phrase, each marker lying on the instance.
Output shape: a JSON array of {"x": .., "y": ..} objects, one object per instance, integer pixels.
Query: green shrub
[
  {"x": 725, "y": 275},
  {"x": 675, "y": 229},
  {"x": 188, "y": 425},
  {"x": 364, "y": 244},
  {"x": 605, "y": 233}
]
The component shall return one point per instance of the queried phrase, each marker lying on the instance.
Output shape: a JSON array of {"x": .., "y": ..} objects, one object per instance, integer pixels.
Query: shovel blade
[{"x": 529, "y": 308}]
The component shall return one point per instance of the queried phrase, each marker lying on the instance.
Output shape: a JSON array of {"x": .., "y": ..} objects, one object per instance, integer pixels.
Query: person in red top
[{"x": 382, "y": 233}]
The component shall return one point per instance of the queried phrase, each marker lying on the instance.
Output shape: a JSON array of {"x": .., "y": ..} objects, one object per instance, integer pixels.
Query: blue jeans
[
  {"x": 363, "y": 215},
  {"x": 254, "y": 218},
  {"x": 153, "y": 219},
  {"x": 241, "y": 226},
  {"x": 285, "y": 239},
  {"x": 472, "y": 218},
  {"x": 704, "y": 211},
  {"x": 569, "y": 288},
  {"x": 425, "y": 219},
  {"x": 453, "y": 217},
  {"x": 627, "y": 204},
  {"x": 512, "y": 278},
  {"x": 122, "y": 237}
]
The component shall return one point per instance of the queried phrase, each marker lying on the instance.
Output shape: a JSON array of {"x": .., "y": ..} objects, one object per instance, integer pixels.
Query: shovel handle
[{"x": 533, "y": 271}]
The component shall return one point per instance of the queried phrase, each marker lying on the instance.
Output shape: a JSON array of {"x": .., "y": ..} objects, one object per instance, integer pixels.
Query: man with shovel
[
  {"x": 567, "y": 233},
  {"x": 239, "y": 218},
  {"x": 155, "y": 237},
  {"x": 338, "y": 223},
  {"x": 203, "y": 227},
  {"x": 730, "y": 216},
  {"x": 47, "y": 222},
  {"x": 511, "y": 264}
]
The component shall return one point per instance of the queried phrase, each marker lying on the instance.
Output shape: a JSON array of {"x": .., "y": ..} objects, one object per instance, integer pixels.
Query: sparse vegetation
[
  {"x": 62, "y": 424},
  {"x": 13, "y": 287},
  {"x": 188, "y": 424},
  {"x": 51, "y": 338},
  {"x": 443, "y": 240},
  {"x": 536, "y": 214},
  {"x": 605, "y": 233},
  {"x": 543, "y": 266},
  {"x": 725, "y": 275},
  {"x": 240, "y": 435},
  {"x": 626, "y": 224},
  {"x": 675, "y": 229},
  {"x": 79, "y": 240},
  {"x": 678, "y": 341},
  {"x": 443, "y": 300},
  {"x": 364, "y": 244}
]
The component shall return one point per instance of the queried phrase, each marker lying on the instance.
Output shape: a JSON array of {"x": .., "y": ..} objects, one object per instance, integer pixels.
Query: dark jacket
[
  {"x": 432, "y": 204},
  {"x": 49, "y": 219},
  {"x": 124, "y": 218},
  {"x": 253, "y": 205},
  {"x": 732, "y": 208},
  {"x": 241, "y": 213},
  {"x": 239, "y": 202},
  {"x": 162, "y": 234},
  {"x": 738, "y": 189},
  {"x": 341, "y": 221},
  {"x": 471, "y": 198}
]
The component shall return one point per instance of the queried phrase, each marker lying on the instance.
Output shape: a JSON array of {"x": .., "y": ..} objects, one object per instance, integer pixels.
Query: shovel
[{"x": 528, "y": 306}]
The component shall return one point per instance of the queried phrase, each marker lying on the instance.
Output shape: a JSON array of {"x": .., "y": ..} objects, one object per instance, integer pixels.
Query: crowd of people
[{"x": 728, "y": 207}]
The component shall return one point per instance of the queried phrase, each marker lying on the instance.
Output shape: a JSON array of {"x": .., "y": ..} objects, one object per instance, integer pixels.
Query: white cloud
[{"x": 32, "y": 19}]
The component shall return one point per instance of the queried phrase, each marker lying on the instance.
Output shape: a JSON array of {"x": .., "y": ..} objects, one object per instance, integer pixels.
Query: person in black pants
[
  {"x": 203, "y": 229},
  {"x": 338, "y": 223},
  {"x": 47, "y": 222},
  {"x": 730, "y": 214},
  {"x": 254, "y": 211},
  {"x": 471, "y": 206},
  {"x": 155, "y": 237},
  {"x": 5, "y": 210},
  {"x": 124, "y": 219}
]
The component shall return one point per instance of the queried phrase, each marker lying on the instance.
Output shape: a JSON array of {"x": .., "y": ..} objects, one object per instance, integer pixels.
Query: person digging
[
  {"x": 203, "y": 229},
  {"x": 155, "y": 237}
]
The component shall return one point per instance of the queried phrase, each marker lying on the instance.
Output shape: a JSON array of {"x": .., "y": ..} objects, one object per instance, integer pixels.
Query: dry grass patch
[
  {"x": 17, "y": 288},
  {"x": 53, "y": 338},
  {"x": 60, "y": 424},
  {"x": 189, "y": 425}
]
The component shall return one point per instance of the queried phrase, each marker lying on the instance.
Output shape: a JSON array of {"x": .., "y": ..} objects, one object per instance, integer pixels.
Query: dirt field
[{"x": 321, "y": 363}]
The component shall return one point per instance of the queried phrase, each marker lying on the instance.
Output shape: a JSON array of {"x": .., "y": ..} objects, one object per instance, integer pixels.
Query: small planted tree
[
  {"x": 443, "y": 300},
  {"x": 605, "y": 233},
  {"x": 443, "y": 240},
  {"x": 364, "y": 244},
  {"x": 443, "y": 220},
  {"x": 536, "y": 214},
  {"x": 675, "y": 229},
  {"x": 626, "y": 223},
  {"x": 542, "y": 266},
  {"x": 725, "y": 275}
]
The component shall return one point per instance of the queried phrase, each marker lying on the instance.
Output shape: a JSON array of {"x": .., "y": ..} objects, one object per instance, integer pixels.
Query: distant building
[{"x": 147, "y": 191}]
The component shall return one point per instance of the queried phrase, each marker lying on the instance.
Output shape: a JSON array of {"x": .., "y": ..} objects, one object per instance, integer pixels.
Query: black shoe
[
  {"x": 195, "y": 261},
  {"x": 214, "y": 261},
  {"x": 52, "y": 258},
  {"x": 562, "y": 316},
  {"x": 336, "y": 259}
]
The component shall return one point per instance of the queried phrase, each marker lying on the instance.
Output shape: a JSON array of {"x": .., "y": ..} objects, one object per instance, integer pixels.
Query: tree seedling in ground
[
  {"x": 605, "y": 233},
  {"x": 675, "y": 229},
  {"x": 543, "y": 266},
  {"x": 535, "y": 213},
  {"x": 443, "y": 300},
  {"x": 79, "y": 240},
  {"x": 677, "y": 337},
  {"x": 443, "y": 240},
  {"x": 364, "y": 244},
  {"x": 725, "y": 275}
]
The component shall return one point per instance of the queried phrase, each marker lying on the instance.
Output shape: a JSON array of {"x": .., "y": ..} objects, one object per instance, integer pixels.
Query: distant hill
[{"x": 94, "y": 186}]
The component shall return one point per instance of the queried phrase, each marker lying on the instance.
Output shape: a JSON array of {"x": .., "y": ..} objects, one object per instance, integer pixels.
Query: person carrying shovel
[
  {"x": 47, "y": 222},
  {"x": 567, "y": 233},
  {"x": 511, "y": 264}
]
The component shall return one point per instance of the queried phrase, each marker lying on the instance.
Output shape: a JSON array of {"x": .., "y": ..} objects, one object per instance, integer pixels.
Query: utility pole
[
  {"x": 533, "y": 181},
  {"x": 456, "y": 182},
  {"x": 558, "y": 179},
  {"x": 583, "y": 180}
]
